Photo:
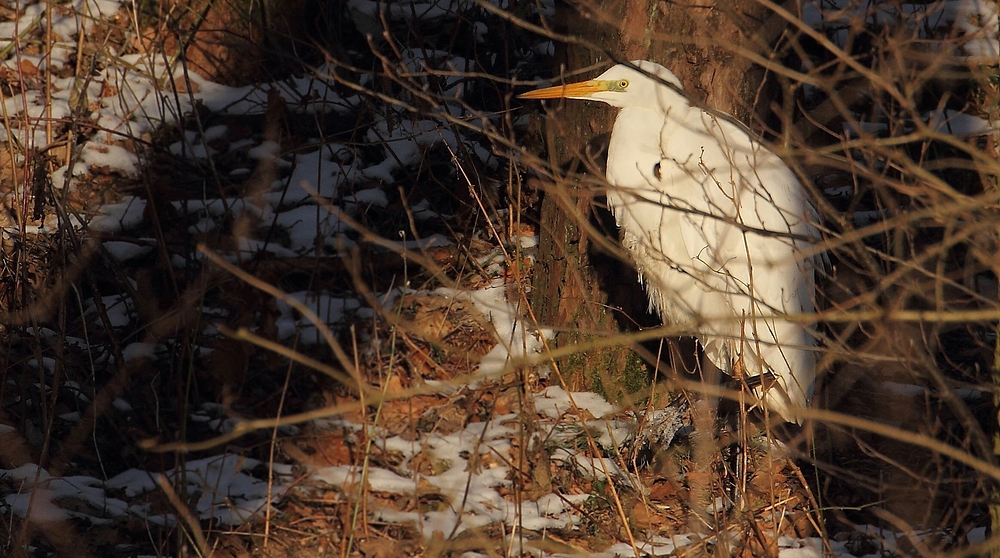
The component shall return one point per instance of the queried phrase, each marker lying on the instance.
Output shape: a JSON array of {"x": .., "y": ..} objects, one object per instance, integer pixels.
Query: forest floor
[{"x": 291, "y": 319}]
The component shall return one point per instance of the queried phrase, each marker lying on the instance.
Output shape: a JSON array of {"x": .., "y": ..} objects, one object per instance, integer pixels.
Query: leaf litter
[{"x": 492, "y": 453}]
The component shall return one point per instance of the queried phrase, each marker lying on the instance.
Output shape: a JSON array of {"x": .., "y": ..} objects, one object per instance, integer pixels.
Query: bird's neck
[{"x": 634, "y": 149}]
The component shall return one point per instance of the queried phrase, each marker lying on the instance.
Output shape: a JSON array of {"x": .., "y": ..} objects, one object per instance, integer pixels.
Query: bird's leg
[
  {"x": 741, "y": 471},
  {"x": 711, "y": 375},
  {"x": 703, "y": 413}
]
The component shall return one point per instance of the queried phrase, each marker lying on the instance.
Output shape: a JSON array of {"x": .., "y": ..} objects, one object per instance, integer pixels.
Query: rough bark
[
  {"x": 566, "y": 291},
  {"x": 234, "y": 42},
  {"x": 994, "y": 492},
  {"x": 991, "y": 95}
]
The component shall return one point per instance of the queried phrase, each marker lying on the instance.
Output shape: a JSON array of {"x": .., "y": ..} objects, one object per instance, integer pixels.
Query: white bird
[{"x": 716, "y": 224}]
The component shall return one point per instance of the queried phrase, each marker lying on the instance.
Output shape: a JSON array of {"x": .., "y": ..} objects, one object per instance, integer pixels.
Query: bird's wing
[
  {"x": 712, "y": 223},
  {"x": 742, "y": 217}
]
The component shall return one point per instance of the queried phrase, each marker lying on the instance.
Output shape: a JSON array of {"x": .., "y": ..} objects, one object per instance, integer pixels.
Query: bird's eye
[{"x": 623, "y": 83}]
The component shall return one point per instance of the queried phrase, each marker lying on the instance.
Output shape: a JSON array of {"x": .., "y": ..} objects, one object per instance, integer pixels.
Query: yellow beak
[{"x": 570, "y": 90}]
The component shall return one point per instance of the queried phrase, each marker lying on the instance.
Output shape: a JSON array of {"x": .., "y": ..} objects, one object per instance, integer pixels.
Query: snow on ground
[
  {"x": 310, "y": 207},
  {"x": 228, "y": 493}
]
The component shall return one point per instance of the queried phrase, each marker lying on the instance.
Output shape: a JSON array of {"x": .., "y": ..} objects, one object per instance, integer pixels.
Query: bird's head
[{"x": 621, "y": 86}]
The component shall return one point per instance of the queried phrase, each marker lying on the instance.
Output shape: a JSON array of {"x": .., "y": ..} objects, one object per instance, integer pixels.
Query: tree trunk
[
  {"x": 984, "y": 251},
  {"x": 566, "y": 289},
  {"x": 994, "y": 493},
  {"x": 236, "y": 42},
  {"x": 991, "y": 99}
]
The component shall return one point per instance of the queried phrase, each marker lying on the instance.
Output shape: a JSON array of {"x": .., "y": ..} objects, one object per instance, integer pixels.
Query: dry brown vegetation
[{"x": 178, "y": 354}]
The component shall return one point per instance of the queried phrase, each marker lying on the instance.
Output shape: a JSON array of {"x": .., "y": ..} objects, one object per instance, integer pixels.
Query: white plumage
[{"x": 716, "y": 224}]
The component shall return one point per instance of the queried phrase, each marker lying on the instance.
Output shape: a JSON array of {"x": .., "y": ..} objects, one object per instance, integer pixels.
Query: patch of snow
[
  {"x": 139, "y": 350},
  {"x": 219, "y": 131},
  {"x": 611, "y": 433},
  {"x": 977, "y": 19},
  {"x": 432, "y": 241},
  {"x": 515, "y": 341},
  {"x": 554, "y": 402},
  {"x": 525, "y": 242},
  {"x": 957, "y": 123},
  {"x": 403, "y": 143},
  {"x": 309, "y": 226},
  {"x": 115, "y": 217},
  {"x": 330, "y": 310},
  {"x": 203, "y": 225},
  {"x": 227, "y": 494},
  {"x": 407, "y": 11},
  {"x": 48, "y": 363},
  {"x": 313, "y": 94},
  {"x": 132, "y": 482},
  {"x": 43, "y": 494},
  {"x": 369, "y": 197},
  {"x": 198, "y": 150},
  {"x": 266, "y": 151},
  {"x": 250, "y": 247},
  {"x": 379, "y": 480},
  {"x": 314, "y": 175},
  {"x": 124, "y": 251},
  {"x": 976, "y": 535},
  {"x": 121, "y": 405},
  {"x": 656, "y": 546},
  {"x": 118, "y": 309}
]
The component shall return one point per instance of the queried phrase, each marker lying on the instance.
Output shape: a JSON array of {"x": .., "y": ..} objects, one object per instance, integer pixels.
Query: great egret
[{"x": 716, "y": 224}]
